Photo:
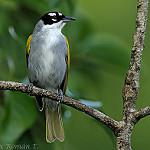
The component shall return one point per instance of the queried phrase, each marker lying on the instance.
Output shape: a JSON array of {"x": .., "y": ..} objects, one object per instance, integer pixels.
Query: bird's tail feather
[{"x": 54, "y": 126}]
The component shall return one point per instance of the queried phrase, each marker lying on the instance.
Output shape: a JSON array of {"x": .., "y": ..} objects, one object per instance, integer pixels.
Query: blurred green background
[{"x": 100, "y": 41}]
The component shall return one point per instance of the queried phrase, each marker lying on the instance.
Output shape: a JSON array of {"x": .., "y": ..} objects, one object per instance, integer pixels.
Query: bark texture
[
  {"x": 122, "y": 129},
  {"x": 131, "y": 85}
]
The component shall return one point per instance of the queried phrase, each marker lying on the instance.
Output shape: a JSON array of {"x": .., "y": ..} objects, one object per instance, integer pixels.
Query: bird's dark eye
[{"x": 54, "y": 17}]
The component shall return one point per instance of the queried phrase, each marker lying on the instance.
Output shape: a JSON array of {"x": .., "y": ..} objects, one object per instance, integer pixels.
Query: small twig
[
  {"x": 142, "y": 113},
  {"x": 15, "y": 86}
]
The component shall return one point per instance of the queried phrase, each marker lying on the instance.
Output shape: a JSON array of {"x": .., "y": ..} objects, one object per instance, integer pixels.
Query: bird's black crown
[{"x": 52, "y": 17}]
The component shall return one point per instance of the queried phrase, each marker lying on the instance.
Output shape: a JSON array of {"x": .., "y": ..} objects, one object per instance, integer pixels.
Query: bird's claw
[
  {"x": 30, "y": 87},
  {"x": 60, "y": 96}
]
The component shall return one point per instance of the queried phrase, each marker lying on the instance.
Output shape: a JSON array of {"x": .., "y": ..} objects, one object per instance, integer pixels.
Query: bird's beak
[{"x": 68, "y": 18}]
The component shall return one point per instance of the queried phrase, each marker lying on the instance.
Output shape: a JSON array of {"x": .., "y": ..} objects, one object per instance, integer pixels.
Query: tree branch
[
  {"x": 101, "y": 117},
  {"x": 131, "y": 86},
  {"x": 122, "y": 129},
  {"x": 142, "y": 113}
]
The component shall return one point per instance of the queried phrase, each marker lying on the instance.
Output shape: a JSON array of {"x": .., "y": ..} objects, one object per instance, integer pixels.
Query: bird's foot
[
  {"x": 60, "y": 96},
  {"x": 30, "y": 87}
]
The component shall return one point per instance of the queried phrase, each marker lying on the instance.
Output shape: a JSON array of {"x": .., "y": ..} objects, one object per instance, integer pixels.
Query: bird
[{"x": 48, "y": 60}]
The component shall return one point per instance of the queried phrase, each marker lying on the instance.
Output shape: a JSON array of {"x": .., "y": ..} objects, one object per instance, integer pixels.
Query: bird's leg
[{"x": 60, "y": 96}]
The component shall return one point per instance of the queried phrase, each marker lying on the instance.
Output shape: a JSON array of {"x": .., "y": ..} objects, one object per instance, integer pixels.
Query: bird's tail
[{"x": 54, "y": 126}]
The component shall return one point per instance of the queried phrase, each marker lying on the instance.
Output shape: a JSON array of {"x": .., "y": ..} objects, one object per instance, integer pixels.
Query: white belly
[{"x": 47, "y": 65}]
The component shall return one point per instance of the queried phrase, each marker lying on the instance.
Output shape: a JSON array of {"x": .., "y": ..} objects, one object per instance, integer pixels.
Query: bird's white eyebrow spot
[
  {"x": 60, "y": 14},
  {"x": 52, "y": 14}
]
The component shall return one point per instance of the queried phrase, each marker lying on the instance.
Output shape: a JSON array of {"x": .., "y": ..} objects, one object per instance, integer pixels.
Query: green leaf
[
  {"x": 20, "y": 114},
  {"x": 101, "y": 53}
]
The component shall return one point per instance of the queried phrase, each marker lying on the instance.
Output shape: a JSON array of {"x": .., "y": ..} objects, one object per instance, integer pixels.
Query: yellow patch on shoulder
[
  {"x": 68, "y": 53},
  {"x": 28, "y": 44}
]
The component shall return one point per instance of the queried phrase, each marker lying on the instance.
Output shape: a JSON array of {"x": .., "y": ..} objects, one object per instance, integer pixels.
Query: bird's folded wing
[{"x": 63, "y": 86}]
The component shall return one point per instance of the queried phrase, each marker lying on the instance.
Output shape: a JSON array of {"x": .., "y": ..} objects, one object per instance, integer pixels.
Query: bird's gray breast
[{"x": 47, "y": 65}]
